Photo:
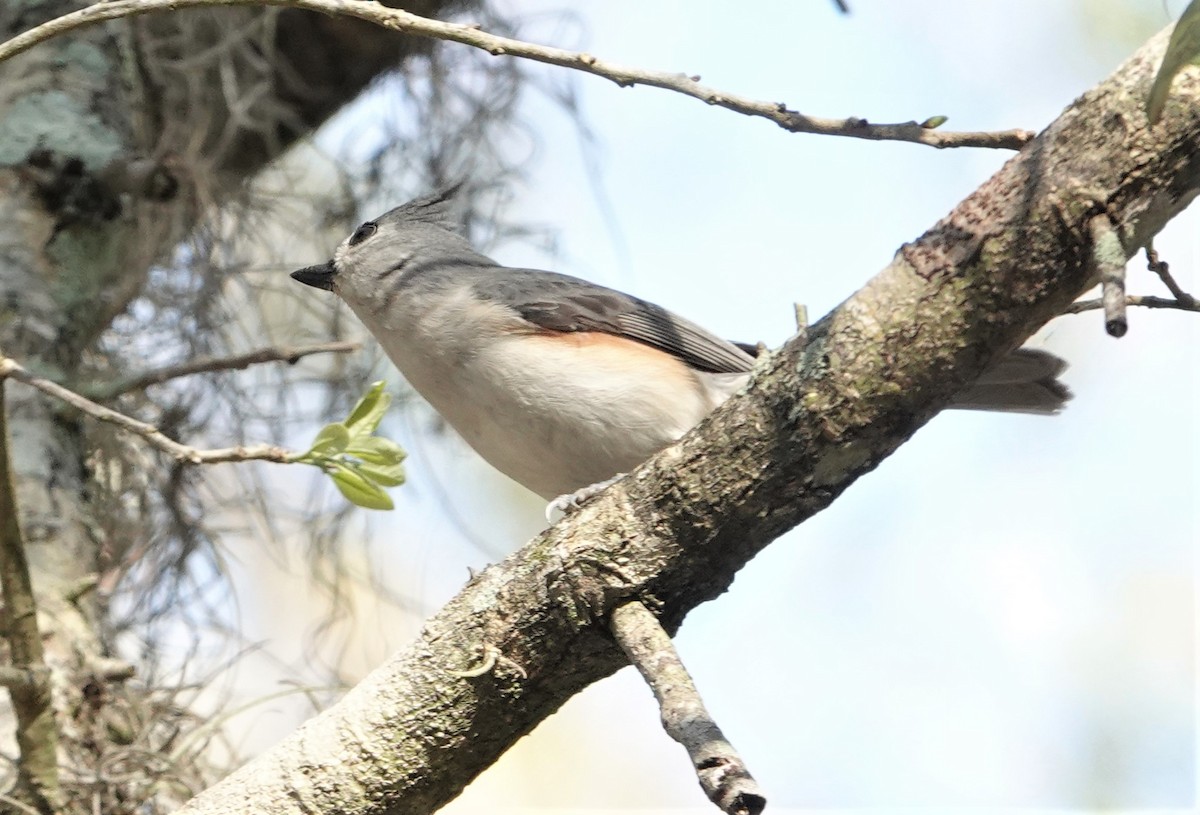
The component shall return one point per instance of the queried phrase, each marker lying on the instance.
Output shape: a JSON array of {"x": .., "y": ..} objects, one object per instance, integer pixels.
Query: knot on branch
[{"x": 588, "y": 589}]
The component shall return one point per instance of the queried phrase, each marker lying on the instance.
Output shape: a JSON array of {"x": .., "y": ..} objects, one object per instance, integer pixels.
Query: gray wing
[{"x": 557, "y": 302}]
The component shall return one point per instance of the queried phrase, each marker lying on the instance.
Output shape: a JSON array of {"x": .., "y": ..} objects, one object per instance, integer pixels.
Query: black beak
[{"x": 320, "y": 277}]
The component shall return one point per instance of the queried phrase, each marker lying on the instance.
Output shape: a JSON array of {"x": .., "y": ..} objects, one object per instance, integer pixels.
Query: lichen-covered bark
[
  {"x": 37, "y": 733},
  {"x": 674, "y": 533},
  {"x": 111, "y": 140}
]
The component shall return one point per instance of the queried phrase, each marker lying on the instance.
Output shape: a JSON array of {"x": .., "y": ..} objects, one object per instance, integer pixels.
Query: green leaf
[
  {"x": 369, "y": 411},
  {"x": 359, "y": 463},
  {"x": 1182, "y": 50},
  {"x": 332, "y": 440},
  {"x": 358, "y": 489},
  {"x": 934, "y": 122},
  {"x": 376, "y": 450},
  {"x": 387, "y": 475}
]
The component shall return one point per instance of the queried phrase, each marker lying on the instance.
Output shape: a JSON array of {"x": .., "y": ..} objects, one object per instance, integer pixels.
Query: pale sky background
[{"x": 1003, "y": 614}]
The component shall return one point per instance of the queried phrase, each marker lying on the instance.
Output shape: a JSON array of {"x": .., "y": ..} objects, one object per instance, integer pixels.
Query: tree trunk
[{"x": 112, "y": 140}]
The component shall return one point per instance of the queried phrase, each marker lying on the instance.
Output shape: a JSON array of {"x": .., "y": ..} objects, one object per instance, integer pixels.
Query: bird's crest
[{"x": 438, "y": 208}]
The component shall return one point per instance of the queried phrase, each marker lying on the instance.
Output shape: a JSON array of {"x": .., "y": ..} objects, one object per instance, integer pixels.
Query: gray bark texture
[
  {"x": 1009, "y": 258},
  {"x": 112, "y": 139}
]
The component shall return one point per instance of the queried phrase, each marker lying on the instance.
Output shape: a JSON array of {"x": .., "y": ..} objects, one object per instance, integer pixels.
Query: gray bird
[{"x": 558, "y": 383}]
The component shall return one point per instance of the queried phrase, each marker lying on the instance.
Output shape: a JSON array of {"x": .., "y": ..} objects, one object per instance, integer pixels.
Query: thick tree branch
[
  {"x": 1010, "y": 257},
  {"x": 10, "y": 368},
  {"x": 685, "y": 84},
  {"x": 722, "y": 773}
]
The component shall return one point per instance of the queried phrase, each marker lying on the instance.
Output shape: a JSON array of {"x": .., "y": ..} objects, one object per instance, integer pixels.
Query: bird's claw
[{"x": 571, "y": 502}]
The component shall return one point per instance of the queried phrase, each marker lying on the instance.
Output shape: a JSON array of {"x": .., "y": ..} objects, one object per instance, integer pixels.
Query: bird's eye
[{"x": 363, "y": 232}]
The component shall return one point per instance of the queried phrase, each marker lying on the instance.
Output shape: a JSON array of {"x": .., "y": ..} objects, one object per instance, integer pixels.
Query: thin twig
[
  {"x": 1163, "y": 270},
  {"x": 110, "y": 669},
  {"x": 801, "y": 323},
  {"x": 204, "y": 365},
  {"x": 260, "y": 452},
  {"x": 842, "y": 7},
  {"x": 1182, "y": 301},
  {"x": 1144, "y": 301},
  {"x": 722, "y": 773},
  {"x": 398, "y": 20},
  {"x": 1108, "y": 258},
  {"x": 37, "y": 728}
]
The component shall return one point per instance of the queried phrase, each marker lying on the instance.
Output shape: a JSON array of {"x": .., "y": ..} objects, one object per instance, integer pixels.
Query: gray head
[{"x": 421, "y": 233}]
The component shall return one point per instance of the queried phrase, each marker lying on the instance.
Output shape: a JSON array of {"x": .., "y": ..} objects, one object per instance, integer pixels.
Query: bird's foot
[{"x": 571, "y": 502}]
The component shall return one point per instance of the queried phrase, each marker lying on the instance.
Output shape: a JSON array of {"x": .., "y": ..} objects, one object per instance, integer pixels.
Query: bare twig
[
  {"x": 1113, "y": 299},
  {"x": 288, "y": 354},
  {"x": 842, "y": 7},
  {"x": 721, "y": 771},
  {"x": 260, "y": 452},
  {"x": 801, "y": 323},
  {"x": 1163, "y": 270},
  {"x": 37, "y": 730},
  {"x": 110, "y": 669},
  {"x": 1143, "y": 301},
  {"x": 1108, "y": 258},
  {"x": 688, "y": 85}
]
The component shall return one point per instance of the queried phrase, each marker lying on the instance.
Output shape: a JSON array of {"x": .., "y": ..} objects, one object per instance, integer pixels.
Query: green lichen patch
[{"x": 54, "y": 120}]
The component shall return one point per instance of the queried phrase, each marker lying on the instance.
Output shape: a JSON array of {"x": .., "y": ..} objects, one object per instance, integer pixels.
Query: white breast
[{"x": 553, "y": 412}]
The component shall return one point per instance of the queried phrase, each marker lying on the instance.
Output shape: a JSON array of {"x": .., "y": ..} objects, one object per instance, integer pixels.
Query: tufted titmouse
[{"x": 557, "y": 382}]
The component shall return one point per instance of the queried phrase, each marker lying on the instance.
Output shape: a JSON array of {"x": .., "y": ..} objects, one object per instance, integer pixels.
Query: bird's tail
[{"x": 1025, "y": 381}]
